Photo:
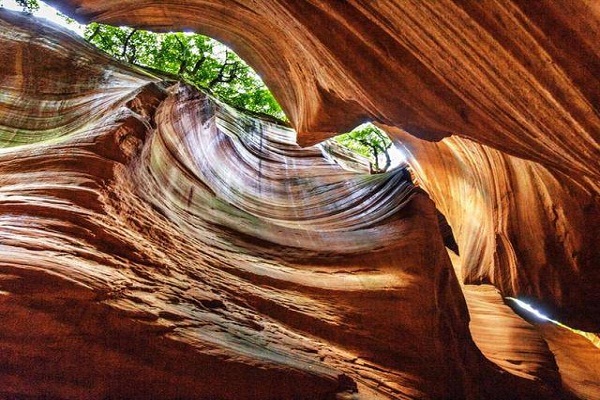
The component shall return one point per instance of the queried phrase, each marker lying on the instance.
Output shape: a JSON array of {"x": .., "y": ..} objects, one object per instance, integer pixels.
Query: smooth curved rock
[
  {"x": 160, "y": 244},
  {"x": 162, "y": 228},
  {"x": 528, "y": 230},
  {"x": 513, "y": 76}
]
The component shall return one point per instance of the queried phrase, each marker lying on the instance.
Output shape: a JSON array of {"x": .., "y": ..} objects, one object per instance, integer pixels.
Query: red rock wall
[
  {"x": 156, "y": 244},
  {"x": 162, "y": 245},
  {"x": 514, "y": 76},
  {"x": 527, "y": 229}
]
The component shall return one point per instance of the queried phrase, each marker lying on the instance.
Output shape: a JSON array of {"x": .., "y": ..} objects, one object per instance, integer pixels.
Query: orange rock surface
[{"x": 157, "y": 244}]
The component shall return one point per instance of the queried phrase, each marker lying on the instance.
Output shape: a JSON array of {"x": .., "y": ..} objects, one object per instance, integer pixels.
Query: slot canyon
[{"x": 156, "y": 243}]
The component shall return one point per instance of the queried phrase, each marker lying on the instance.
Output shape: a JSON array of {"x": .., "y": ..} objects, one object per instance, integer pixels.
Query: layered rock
[
  {"x": 159, "y": 244},
  {"x": 526, "y": 228},
  {"x": 516, "y": 77}
]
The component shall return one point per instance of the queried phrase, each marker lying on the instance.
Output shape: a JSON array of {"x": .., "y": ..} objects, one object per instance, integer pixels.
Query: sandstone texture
[{"x": 155, "y": 243}]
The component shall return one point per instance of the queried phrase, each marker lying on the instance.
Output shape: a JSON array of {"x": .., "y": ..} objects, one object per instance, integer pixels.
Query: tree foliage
[
  {"x": 372, "y": 143},
  {"x": 29, "y": 6},
  {"x": 194, "y": 58},
  {"x": 210, "y": 65}
]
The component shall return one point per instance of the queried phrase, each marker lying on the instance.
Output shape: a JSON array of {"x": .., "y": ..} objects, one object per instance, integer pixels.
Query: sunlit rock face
[
  {"x": 522, "y": 226},
  {"x": 516, "y": 76},
  {"x": 156, "y": 244},
  {"x": 531, "y": 231},
  {"x": 511, "y": 77}
]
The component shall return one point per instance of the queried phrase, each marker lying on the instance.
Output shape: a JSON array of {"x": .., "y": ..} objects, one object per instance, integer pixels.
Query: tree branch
[
  {"x": 221, "y": 75},
  {"x": 131, "y": 59},
  {"x": 182, "y": 66},
  {"x": 93, "y": 35},
  {"x": 126, "y": 43},
  {"x": 198, "y": 65}
]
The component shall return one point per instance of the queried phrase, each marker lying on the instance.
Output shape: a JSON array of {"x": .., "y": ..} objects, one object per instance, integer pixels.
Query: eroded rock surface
[
  {"x": 160, "y": 244},
  {"x": 516, "y": 76},
  {"x": 526, "y": 228},
  {"x": 155, "y": 243},
  {"x": 516, "y": 83}
]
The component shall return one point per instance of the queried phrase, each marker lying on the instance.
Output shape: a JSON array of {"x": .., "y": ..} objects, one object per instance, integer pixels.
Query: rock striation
[
  {"x": 511, "y": 81},
  {"x": 524, "y": 227},
  {"x": 157, "y": 244},
  {"x": 515, "y": 76}
]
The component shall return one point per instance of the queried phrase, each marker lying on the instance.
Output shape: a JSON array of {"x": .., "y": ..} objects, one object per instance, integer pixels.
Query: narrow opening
[
  {"x": 193, "y": 58},
  {"x": 532, "y": 311},
  {"x": 214, "y": 68},
  {"x": 372, "y": 143},
  {"x": 537, "y": 316},
  {"x": 196, "y": 59}
]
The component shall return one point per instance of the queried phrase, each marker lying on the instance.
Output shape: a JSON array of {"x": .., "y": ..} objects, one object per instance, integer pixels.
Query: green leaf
[{"x": 197, "y": 59}]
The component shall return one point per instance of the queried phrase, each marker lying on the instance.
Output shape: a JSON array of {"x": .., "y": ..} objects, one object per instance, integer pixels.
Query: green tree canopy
[
  {"x": 194, "y": 58},
  {"x": 29, "y": 6},
  {"x": 211, "y": 66},
  {"x": 371, "y": 142}
]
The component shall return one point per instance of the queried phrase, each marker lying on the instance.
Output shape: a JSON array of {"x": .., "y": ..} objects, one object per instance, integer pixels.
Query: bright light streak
[
  {"x": 528, "y": 307},
  {"x": 397, "y": 156},
  {"x": 588, "y": 335}
]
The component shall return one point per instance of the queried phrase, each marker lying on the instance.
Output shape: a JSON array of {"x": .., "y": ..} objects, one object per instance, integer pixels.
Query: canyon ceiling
[{"x": 155, "y": 243}]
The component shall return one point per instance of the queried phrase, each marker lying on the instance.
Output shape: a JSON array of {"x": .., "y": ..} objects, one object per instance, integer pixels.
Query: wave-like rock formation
[
  {"x": 522, "y": 226},
  {"x": 157, "y": 244},
  {"x": 519, "y": 77},
  {"x": 512, "y": 81}
]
